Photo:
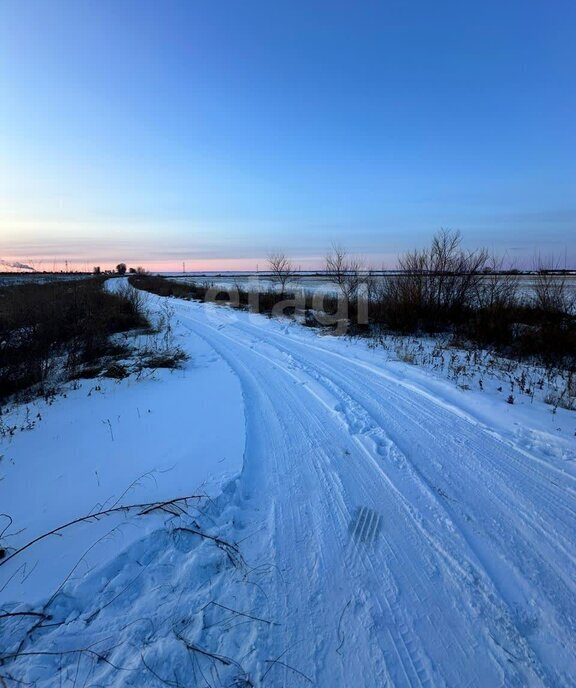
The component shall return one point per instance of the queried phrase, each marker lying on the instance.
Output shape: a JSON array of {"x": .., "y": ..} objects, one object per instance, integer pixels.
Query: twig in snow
[
  {"x": 235, "y": 611},
  {"x": 77, "y": 564},
  {"x": 157, "y": 676},
  {"x": 227, "y": 661},
  {"x": 296, "y": 671},
  {"x": 341, "y": 635},
  {"x": 272, "y": 662},
  {"x": 144, "y": 508},
  {"x": 136, "y": 577},
  {"x": 12, "y": 679},
  {"x": 10, "y": 522},
  {"x": 40, "y": 615},
  {"x": 133, "y": 484},
  {"x": 231, "y": 549},
  {"x": 109, "y": 424},
  {"x": 61, "y": 653}
]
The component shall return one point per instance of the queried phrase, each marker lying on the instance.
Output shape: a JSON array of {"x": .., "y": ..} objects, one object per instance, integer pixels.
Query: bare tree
[
  {"x": 550, "y": 289},
  {"x": 372, "y": 285},
  {"x": 498, "y": 287},
  {"x": 344, "y": 271},
  {"x": 455, "y": 274},
  {"x": 436, "y": 284},
  {"x": 443, "y": 277},
  {"x": 121, "y": 268},
  {"x": 282, "y": 269}
]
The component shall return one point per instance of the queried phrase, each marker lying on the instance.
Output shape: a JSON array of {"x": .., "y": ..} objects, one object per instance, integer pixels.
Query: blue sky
[{"x": 214, "y": 131}]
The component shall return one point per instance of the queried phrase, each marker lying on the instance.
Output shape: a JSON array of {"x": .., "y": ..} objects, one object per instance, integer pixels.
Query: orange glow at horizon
[{"x": 205, "y": 265}]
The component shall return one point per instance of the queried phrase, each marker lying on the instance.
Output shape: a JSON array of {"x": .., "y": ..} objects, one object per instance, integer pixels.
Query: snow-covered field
[
  {"x": 318, "y": 282},
  {"x": 365, "y": 522}
]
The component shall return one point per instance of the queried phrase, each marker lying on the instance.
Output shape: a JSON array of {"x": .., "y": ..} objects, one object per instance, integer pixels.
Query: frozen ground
[
  {"x": 393, "y": 528},
  {"x": 314, "y": 281}
]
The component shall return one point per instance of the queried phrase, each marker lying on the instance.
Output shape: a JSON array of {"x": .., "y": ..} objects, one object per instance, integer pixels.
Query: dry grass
[{"x": 61, "y": 327}]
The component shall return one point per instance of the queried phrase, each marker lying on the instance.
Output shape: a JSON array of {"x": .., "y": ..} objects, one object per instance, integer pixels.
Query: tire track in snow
[
  {"x": 406, "y": 658},
  {"x": 295, "y": 380},
  {"x": 486, "y": 457},
  {"x": 422, "y": 412}
]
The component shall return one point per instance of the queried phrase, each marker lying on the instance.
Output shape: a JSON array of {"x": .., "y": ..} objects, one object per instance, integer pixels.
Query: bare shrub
[
  {"x": 550, "y": 289},
  {"x": 344, "y": 272},
  {"x": 282, "y": 270},
  {"x": 467, "y": 294},
  {"x": 498, "y": 287},
  {"x": 60, "y": 326},
  {"x": 161, "y": 350},
  {"x": 436, "y": 285}
]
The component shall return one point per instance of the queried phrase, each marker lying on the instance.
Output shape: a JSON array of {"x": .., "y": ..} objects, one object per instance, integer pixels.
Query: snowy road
[
  {"x": 411, "y": 545},
  {"x": 396, "y": 530}
]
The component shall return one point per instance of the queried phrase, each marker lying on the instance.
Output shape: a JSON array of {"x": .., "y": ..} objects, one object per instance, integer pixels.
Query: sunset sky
[{"x": 213, "y": 131}]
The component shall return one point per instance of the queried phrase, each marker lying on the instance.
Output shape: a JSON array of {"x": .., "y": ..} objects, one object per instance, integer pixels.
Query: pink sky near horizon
[
  {"x": 59, "y": 263},
  {"x": 45, "y": 264},
  {"x": 69, "y": 257}
]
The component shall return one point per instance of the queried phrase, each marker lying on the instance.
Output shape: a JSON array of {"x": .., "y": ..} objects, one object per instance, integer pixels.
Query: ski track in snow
[{"x": 394, "y": 539}]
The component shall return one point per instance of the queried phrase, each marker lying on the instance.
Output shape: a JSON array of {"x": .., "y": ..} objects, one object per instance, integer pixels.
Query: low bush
[
  {"x": 440, "y": 290},
  {"x": 171, "y": 359}
]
